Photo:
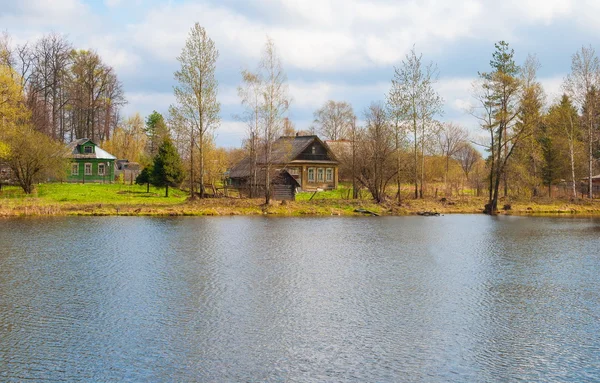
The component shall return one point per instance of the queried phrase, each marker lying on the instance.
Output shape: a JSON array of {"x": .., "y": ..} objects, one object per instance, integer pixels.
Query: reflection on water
[{"x": 447, "y": 299}]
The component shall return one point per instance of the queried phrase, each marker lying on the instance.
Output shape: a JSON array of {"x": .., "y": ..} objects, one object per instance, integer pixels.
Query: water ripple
[{"x": 454, "y": 299}]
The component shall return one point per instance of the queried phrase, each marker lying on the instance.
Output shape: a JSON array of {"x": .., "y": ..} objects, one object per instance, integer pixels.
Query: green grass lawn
[{"x": 52, "y": 193}]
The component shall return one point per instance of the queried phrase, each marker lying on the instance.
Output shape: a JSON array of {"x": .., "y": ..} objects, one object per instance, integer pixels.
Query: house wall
[
  {"x": 94, "y": 177},
  {"x": 316, "y": 183}
]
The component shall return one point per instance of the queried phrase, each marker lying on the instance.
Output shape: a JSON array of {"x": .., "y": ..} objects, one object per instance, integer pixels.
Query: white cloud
[{"x": 552, "y": 87}]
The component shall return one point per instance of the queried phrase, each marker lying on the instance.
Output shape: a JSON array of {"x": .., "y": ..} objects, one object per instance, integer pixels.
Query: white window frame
[
  {"x": 85, "y": 169},
  {"x": 329, "y": 175},
  {"x": 320, "y": 175},
  {"x": 103, "y": 167},
  {"x": 85, "y": 149},
  {"x": 311, "y": 174},
  {"x": 75, "y": 169}
]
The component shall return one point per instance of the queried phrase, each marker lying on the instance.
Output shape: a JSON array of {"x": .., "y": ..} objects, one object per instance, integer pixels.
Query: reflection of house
[
  {"x": 130, "y": 170},
  {"x": 89, "y": 163},
  {"x": 306, "y": 158}
]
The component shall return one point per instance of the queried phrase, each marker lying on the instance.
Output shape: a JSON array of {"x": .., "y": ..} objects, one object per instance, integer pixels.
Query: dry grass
[{"x": 65, "y": 199}]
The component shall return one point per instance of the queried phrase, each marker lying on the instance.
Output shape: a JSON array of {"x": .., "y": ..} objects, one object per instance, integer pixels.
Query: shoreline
[{"x": 316, "y": 208}]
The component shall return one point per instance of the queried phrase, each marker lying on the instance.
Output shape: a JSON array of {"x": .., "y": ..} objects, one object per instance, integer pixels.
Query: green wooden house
[{"x": 89, "y": 163}]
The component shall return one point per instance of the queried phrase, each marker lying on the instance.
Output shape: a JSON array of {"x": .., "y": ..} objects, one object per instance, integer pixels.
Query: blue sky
[{"x": 331, "y": 49}]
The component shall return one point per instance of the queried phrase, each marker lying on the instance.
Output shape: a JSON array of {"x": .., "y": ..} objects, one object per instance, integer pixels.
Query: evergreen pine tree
[
  {"x": 167, "y": 169},
  {"x": 145, "y": 177}
]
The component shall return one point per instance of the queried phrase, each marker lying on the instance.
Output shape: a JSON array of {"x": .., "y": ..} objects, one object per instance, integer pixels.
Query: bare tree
[
  {"x": 275, "y": 105},
  {"x": 376, "y": 152},
  {"x": 584, "y": 80},
  {"x": 450, "y": 139},
  {"x": 196, "y": 95},
  {"x": 467, "y": 156},
  {"x": 251, "y": 96},
  {"x": 397, "y": 111},
  {"x": 334, "y": 120},
  {"x": 413, "y": 96}
]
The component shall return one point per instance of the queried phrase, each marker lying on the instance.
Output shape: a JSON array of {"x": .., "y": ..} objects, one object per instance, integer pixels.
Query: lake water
[{"x": 250, "y": 299}]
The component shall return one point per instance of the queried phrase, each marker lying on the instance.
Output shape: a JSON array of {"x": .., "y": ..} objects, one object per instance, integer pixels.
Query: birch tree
[
  {"x": 275, "y": 106},
  {"x": 196, "y": 95},
  {"x": 583, "y": 80},
  {"x": 413, "y": 96},
  {"x": 251, "y": 96},
  {"x": 563, "y": 119}
]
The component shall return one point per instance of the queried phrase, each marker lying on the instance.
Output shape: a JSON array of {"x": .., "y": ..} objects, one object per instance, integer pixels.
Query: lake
[{"x": 459, "y": 298}]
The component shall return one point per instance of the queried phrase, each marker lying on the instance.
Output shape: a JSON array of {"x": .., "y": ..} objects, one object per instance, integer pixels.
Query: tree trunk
[
  {"x": 591, "y": 162},
  {"x": 192, "y": 195},
  {"x": 167, "y": 190}
]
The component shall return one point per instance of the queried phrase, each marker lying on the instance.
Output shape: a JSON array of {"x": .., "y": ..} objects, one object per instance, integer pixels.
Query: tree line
[{"x": 51, "y": 89}]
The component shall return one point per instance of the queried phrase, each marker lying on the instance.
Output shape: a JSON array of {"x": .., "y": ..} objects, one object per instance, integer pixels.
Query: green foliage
[
  {"x": 145, "y": 176},
  {"x": 34, "y": 157},
  {"x": 156, "y": 130},
  {"x": 550, "y": 153},
  {"x": 167, "y": 169}
]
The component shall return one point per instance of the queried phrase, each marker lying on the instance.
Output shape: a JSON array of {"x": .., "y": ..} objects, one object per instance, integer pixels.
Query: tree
[
  {"x": 562, "y": 118},
  {"x": 334, "y": 119},
  {"x": 156, "y": 130},
  {"x": 34, "y": 157},
  {"x": 128, "y": 140},
  {"x": 96, "y": 94},
  {"x": 528, "y": 154},
  {"x": 167, "y": 169},
  {"x": 579, "y": 84},
  {"x": 145, "y": 177},
  {"x": 196, "y": 94},
  {"x": 275, "y": 104},
  {"x": 551, "y": 162},
  {"x": 467, "y": 156},
  {"x": 376, "y": 152},
  {"x": 251, "y": 96},
  {"x": 413, "y": 96},
  {"x": 500, "y": 100},
  {"x": 450, "y": 139}
]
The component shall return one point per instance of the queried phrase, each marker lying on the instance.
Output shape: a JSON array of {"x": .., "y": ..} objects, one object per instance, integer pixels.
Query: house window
[
  {"x": 101, "y": 169},
  {"x": 329, "y": 175},
  {"x": 88, "y": 169},
  {"x": 320, "y": 172},
  {"x": 88, "y": 149},
  {"x": 74, "y": 169},
  {"x": 311, "y": 174},
  {"x": 314, "y": 150},
  {"x": 293, "y": 171}
]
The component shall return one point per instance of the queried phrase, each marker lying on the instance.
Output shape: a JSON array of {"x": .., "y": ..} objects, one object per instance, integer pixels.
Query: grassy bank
[{"x": 117, "y": 199}]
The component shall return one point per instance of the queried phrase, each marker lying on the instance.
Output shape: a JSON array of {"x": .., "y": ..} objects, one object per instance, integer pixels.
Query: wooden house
[
  {"x": 584, "y": 186},
  {"x": 307, "y": 159},
  {"x": 90, "y": 163}
]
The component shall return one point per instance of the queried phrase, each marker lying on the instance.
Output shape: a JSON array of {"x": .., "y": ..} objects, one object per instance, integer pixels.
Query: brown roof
[{"x": 285, "y": 150}]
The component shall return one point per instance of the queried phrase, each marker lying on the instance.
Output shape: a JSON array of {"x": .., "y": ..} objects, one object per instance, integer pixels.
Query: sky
[{"x": 344, "y": 50}]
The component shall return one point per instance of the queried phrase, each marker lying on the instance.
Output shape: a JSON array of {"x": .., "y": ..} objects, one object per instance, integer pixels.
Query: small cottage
[
  {"x": 307, "y": 159},
  {"x": 90, "y": 163}
]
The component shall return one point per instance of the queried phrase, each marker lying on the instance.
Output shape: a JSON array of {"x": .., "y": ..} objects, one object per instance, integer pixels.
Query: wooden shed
[{"x": 284, "y": 186}]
